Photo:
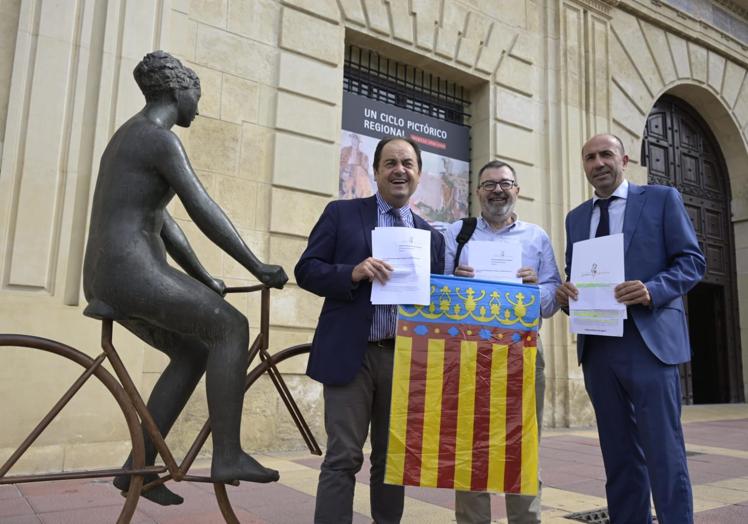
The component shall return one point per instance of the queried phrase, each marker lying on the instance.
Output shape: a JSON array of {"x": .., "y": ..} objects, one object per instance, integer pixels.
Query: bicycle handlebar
[{"x": 245, "y": 289}]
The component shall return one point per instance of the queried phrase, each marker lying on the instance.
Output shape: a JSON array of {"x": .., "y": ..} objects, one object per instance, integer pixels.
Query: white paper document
[
  {"x": 496, "y": 260},
  {"x": 597, "y": 268},
  {"x": 596, "y": 322},
  {"x": 408, "y": 251}
]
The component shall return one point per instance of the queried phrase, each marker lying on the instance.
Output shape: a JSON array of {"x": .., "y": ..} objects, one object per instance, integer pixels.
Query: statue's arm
[
  {"x": 181, "y": 251},
  {"x": 207, "y": 215}
]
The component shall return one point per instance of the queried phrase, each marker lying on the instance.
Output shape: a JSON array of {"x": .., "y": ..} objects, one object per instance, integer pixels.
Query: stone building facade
[{"x": 542, "y": 75}]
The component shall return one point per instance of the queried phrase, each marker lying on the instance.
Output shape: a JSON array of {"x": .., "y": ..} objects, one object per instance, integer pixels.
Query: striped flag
[{"x": 463, "y": 390}]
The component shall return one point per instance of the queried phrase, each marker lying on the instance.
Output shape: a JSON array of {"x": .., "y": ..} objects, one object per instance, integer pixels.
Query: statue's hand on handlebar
[
  {"x": 272, "y": 276},
  {"x": 217, "y": 285}
]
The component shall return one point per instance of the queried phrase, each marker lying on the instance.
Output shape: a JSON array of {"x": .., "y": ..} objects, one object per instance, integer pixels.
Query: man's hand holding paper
[
  {"x": 629, "y": 293},
  {"x": 632, "y": 292},
  {"x": 371, "y": 269},
  {"x": 597, "y": 272}
]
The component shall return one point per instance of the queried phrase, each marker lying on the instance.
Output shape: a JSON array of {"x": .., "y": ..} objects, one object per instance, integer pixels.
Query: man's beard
[{"x": 500, "y": 208}]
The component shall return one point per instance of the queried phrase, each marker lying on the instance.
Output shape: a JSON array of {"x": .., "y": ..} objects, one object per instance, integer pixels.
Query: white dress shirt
[{"x": 537, "y": 253}]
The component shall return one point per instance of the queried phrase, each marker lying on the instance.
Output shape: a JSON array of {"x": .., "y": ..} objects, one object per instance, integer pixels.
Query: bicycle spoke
[
  {"x": 291, "y": 406},
  {"x": 91, "y": 367},
  {"x": 202, "y": 436},
  {"x": 49, "y": 417},
  {"x": 191, "y": 455}
]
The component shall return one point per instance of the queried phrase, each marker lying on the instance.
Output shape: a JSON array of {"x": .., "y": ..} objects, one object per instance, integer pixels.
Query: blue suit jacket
[
  {"x": 339, "y": 241},
  {"x": 661, "y": 250}
]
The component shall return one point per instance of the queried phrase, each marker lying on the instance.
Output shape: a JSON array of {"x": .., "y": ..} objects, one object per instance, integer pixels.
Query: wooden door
[{"x": 680, "y": 151}]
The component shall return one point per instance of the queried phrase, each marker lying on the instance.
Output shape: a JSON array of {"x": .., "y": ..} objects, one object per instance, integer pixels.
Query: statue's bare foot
[
  {"x": 243, "y": 468},
  {"x": 159, "y": 494}
]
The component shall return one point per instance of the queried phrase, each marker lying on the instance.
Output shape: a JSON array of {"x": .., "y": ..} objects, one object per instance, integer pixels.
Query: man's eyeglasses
[{"x": 490, "y": 185}]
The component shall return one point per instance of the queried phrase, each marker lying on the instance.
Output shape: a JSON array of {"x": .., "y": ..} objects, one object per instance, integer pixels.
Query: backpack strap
[{"x": 468, "y": 227}]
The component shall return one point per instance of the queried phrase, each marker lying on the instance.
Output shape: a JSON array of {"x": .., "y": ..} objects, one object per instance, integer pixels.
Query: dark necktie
[
  {"x": 603, "y": 227},
  {"x": 398, "y": 220}
]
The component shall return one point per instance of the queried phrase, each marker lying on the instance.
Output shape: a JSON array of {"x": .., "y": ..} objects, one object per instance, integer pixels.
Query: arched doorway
[{"x": 679, "y": 150}]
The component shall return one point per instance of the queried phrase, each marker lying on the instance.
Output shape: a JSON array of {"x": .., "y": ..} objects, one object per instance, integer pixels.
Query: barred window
[{"x": 371, "y": 75}]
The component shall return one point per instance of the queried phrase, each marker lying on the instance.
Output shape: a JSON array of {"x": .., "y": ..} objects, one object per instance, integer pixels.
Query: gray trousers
[
  {"x": 474, "y": 507},
  {"x": 348, "y": 411}
]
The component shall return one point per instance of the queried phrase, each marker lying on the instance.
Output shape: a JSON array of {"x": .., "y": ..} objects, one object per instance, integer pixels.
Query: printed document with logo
[
  {"x": 597, "y": 268},
  {"x": 497, "y": 260},
  {"x": 408, "y": 251},
  {"x": 603, "y": 322}
]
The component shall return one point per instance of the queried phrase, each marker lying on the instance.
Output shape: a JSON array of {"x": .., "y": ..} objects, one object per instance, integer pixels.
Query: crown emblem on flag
[{"x": 481, "y": 305}]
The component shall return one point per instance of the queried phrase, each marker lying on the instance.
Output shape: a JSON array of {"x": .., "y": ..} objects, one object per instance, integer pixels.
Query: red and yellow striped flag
[{"x": 463, "y": 393}]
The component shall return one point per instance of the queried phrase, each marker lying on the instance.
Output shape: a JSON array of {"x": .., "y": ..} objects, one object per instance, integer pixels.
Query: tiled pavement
[{"x": 716, "y": 436}]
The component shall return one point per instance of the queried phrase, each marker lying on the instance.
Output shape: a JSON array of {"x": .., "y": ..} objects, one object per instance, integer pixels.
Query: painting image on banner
[
  {"x": 463, "y": 412},
  {"x": 442, "y": 194}
]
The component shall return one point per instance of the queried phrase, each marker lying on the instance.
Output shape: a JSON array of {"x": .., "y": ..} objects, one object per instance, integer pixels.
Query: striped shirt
[{"x": 385, "y": 316}]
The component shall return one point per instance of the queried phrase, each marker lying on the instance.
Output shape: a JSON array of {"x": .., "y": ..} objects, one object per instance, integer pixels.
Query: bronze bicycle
[{"x": 134, "y": 409}]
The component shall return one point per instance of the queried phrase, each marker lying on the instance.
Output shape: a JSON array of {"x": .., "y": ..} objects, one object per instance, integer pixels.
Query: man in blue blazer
[
  {"x": 633, "y": 381},
  {"x": 353, "y": 347}
]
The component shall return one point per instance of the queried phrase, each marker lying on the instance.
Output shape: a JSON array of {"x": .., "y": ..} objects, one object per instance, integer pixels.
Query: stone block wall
[{"x": 541, "y": 75}]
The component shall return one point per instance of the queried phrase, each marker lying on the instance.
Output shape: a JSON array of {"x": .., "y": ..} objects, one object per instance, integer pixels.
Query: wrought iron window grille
[{"x": 380, "y": 78}]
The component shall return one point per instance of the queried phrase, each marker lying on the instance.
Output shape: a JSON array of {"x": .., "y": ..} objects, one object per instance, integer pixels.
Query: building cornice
[
  {"x": 688, "y": 27},
  {"x": 733, "y": 8},
  {"x": 602, "y": 7}
]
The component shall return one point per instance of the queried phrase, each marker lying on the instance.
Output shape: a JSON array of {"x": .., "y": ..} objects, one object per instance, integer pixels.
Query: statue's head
[{"x": 159, "y": 73}]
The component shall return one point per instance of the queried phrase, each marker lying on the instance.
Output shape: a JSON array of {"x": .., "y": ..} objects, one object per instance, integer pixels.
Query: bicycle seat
[{"x": 100, "y": 310}]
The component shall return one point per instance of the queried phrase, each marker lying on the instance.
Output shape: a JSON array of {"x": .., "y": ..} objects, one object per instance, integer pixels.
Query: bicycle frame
[
  {"x": 260, "y": 345},
  {"x": 136, "y": 413}
]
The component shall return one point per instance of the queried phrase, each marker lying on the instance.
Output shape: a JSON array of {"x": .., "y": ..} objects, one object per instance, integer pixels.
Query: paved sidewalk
[{"x": 717, "y": 444}]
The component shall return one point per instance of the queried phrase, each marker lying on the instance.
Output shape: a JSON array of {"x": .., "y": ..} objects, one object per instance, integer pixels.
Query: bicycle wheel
[
  {"x": 114, "y": 387},
  {"x": 224, "y": 503}
]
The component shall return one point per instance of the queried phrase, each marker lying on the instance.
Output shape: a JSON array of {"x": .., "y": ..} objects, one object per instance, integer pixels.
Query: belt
[{"x": 385, "y": 343}]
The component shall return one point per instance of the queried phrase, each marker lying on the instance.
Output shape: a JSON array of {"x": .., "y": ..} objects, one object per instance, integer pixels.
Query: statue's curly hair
[{"x": 159, "y": 73}]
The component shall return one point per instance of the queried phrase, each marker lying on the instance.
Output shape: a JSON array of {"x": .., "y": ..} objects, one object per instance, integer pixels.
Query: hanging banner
[
  {"x": 442, "y": 194},
  {"x": 463, "y": 389}
]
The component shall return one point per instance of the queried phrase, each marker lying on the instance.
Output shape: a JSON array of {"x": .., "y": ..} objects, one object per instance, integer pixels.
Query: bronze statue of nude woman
[{"x": 126, "y": 276}]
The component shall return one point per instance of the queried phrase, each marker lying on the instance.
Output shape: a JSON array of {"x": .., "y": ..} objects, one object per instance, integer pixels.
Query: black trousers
[{"x": 349, "y": 410}]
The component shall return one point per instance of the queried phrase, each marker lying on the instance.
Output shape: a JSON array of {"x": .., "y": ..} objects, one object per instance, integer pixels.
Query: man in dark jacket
[{"x": 353, "y": 347}]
